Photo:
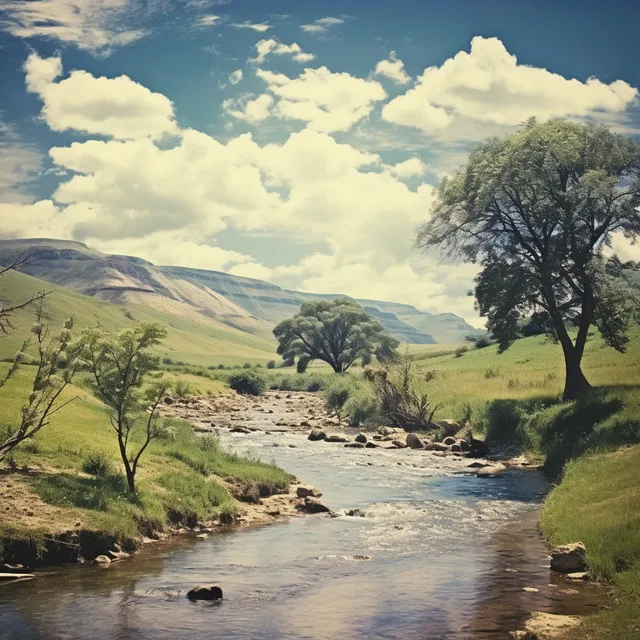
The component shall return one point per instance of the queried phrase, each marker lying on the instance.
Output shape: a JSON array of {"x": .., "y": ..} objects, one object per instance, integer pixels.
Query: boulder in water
[
  {"x": 336, "y": 437},
  {"x": 355, "y": 445},
  {"x": 449, "y": 427},
  {"x": 361, "y": 438},
  {"x": 313, "y": 505},
  {"x": 449, "y": 441},
  {"x": 413, "y": 442},
  {"x": 490, "y": 472},
  {"x": 307, "y": 492},
  {"x": 102, "y": 559},
  {"x": 317, "y": 434},
  {"x": 569, "y": 558},
  {"x": 205, "y": 592}
]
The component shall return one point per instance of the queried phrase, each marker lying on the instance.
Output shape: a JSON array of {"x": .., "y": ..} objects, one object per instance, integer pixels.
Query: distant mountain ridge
[{"x": 201, "y": 295}]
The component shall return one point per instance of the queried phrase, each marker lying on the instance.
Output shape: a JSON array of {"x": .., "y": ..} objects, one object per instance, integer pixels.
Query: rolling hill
[{"x": 203, "y": 298}]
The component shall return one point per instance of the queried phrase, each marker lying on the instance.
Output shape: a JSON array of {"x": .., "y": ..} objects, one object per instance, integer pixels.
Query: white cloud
[
  {"x": 260, "y": 28},
  {"x": 326, "y": 101},
  {"x": 413, "y": 167},
  {"x": 92, "y": 25},
  {"x": 489, "y": 85},
  {"x": 115, "y": 107},
  {"x": 321, "y": 25},
  {"x": 235, "y": 76},
  {"x": 208, "y": 20},
  {"x": 271, "y": 46},
  {"x": 254, "y": 110},
  {"x": 393, "y": 69}
]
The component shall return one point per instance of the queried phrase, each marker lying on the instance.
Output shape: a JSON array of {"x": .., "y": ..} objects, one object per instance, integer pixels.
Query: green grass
[
  {"x": 598, "y": 503},
  {"x": 180, "y": 479},
  {"x": 202, "y": 343}
]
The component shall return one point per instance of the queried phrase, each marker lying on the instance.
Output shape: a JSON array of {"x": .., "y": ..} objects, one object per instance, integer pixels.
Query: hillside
[{"x": 199, "y": 295}]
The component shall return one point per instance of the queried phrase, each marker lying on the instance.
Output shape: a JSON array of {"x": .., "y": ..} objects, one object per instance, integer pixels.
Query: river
[{"x": 440, "y": 554}]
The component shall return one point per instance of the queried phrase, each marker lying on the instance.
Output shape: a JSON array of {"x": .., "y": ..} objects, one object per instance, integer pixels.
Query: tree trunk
[
  {"x": 575, "y": 383},
  {"x": 130, "y": 473}
]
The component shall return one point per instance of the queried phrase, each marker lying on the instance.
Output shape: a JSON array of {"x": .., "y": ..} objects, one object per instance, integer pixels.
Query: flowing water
[{"x": 440, "y": 554}]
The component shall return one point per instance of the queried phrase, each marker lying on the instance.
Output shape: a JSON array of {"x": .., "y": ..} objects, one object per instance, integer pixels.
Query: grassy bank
[
  {"x": 70, "y": 476},
  {"x": 598, "y": 503}
]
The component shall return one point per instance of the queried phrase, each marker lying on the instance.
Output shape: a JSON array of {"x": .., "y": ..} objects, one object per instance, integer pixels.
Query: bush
[
  {"x": 482, "y": 342},
  {"x": 460, "y": 351},
  {"x": 360, "y": 406},
  {"x": 246, "y": 365},
  {"x": 167, "y": 361},
  {"x": 271, "y": 364},
  {"x": 98, "y": 464},
  {"x": 250, "y": 383},
  {"x": 182, "y": 389},
  {"x": 492, "y": 372},
  {"x": 337, "y": 392}
]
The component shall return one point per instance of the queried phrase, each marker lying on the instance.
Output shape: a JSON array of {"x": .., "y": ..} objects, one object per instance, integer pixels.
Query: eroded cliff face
[{"x": 250, "y": 305}]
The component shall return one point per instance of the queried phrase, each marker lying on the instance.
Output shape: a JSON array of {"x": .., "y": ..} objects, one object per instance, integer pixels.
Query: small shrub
[
  {"x": 246, "y": 365},
  {"x": 513, "y": 383},
  {"x": 482, "y": 342},
  {"x": 360, "y": 406},
  {"x": 271, "y": 364},
  {"x": 182, "y": 389},
  {"x": 491, "y": 372},
  {"x": 98, "y": 464},
  {"x": 460, "y": 351},
  {"x": 221, "y": 367},
  {"x": 249, "y": 383},
  {"x": 337, "y": 393}
]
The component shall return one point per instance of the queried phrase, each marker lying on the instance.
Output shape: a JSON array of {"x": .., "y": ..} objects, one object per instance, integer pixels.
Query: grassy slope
[
  {"x": 178, "y": 478},
  {"x": 201, "y": 344}
]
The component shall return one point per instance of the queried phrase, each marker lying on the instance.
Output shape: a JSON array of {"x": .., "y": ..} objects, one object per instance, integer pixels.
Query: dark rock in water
[
  {"x": 305, "y": 423},
  {"x": 449, "y": 427},
  {"x": 413, "y": 442},
  {"x": 336, "y": 437},
  {"x": 438, "y": 447},
  {"x": 456, "y": 448},
  {"x": 371, "y": 445},
  {"x": 205, "y": 592},
  {"x": 490, "y": 472},
  {"x": 479, "y": 448},
  {"x": 168, "y": 400},
  {"x": 398, "y": 444},
  {"x": 361, "y": 438},
  {"x": 313, "y": 505},
  {"x": 240, "y": 430},
  {"x": 355, "y": 513},
  {"x": 307, "y": 492},
  {"x": 478, "y": 465},
  {"x": 317, "y": 434},
  {"x": 355, "y": 445},
  {"x": 569, "y": 558},
  {"x": 449, "y": 441},
  {"x": 464, "y": 445}
]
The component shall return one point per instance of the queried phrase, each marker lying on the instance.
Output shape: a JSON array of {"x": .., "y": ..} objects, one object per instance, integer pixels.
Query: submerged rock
[
  {"x": 355, "y": 513},
  {"x": 307, "y": 492},
  {"x": 240, "y": 430},
  {"x": 449, "y": 441},
  {"x": 336, "y": 437},
  {"x": 313, "y": 505},
  {"x": 490, "y": 472},
  {"x": 205, "y": 592},
  {"x": 569, "y": 558},
  {"x": 317, "y": 434},
  {"x": 355, "y": 445},
  {"x": 102, "y": 559},
  {"x": 371, "y": 445},
  {"x": 361, "y": 438}
]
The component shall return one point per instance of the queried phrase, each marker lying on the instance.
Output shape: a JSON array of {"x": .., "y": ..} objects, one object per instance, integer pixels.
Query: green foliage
[
  {"x": 535, "y": 210},
  {"x": 360, "y": 406},
  {"x": 246, "y": 365},
  {"x": 460, "y": 351},
  {"x": 338, "y": 391},
  {"x": 271, "y": 364},
  {"x": 249, "y": 383},
  {"x": 482, "y": 342},
  {"x": 337, "y": 332},
  {"x": 120, "y": 365},
  {"x": 98, "y": 463}
]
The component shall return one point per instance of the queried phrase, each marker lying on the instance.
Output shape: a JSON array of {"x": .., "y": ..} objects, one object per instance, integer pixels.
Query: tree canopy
[
  {"x": 537, "y": 209},
  {"x": 338, "y": 332}
]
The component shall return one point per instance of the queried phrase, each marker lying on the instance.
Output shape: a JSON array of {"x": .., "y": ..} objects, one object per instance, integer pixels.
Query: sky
[{"x": 299, "y": 142}]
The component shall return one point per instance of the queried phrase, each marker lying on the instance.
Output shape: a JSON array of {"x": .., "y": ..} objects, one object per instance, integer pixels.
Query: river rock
[
  {"x": 569, "y": 558},
  {"x": 385, "y": 431},
  {"x": 355, "y": 445},
  {"x": 448, "y": 427},
  {"x": 317, "y": 434},
  {"x": 546, "y": 626},
  {"x": 477, "y": 465},
  {"x": 464, "y": 445},
  {"x": 240, "y": 430},
  {"x": 313, "y": 505},
  {"x": 102, "y": 559},
  {"x": 336, "y": 437},
  {"x": 456, "y": 448},
  {"x": 205, "y": 592},
  {"x": 479, "y": 448},
  {"x": 449, "y": 441},
  {"x": 398, "y": 444},
  {"x": 361, "y": 438},
  {"x": 578, "y": 576},
  {"x": 168, "y": 400},
  {"x": 413, "y": 442},
  {"x": 490, "y": 472},
  {"x": 371, "y": 445},
  {"x": 356, "y": 513},
  {"x": 307, "y": 492},
  {"x": 437, "y": 447}
]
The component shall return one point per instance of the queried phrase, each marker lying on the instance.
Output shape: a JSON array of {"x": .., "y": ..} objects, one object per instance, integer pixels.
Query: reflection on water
[{"x": 449, "y": 556}]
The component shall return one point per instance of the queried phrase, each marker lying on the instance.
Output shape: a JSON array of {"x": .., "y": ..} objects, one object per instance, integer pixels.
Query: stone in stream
[
  {"x": 361, "y": 438},
  {"x": 449, "y": 441},
  {"x": 477, "y": 465},
  {"x": 317, "y": 434},
  {"x": 102, "y": 559},
  {"x": 356, "y": 513},
  {"x": 385, "y": 431},
  {"x": 569, "y": 558},
  {"x": 240, "y": 430},
  {"x": 336, "y": 437},
  {"x": 490, "y": 472},
  {"x": 313, "y": 505},
  {"x": 449, "y": 427},
  {"x": 398, "y": 444},
  {"x": 355, "y": 445},
  {"x": 371, "y": 445},
  {"x": 413, "y": 442},
  {"x": 205, "y": 592},
  {"x": 307, "y": 492}
]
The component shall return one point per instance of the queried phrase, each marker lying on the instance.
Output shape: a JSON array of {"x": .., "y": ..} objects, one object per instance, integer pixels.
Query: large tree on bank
[
  {"x": 338, "y": 332},
  {"x": 536, "y": 209}
]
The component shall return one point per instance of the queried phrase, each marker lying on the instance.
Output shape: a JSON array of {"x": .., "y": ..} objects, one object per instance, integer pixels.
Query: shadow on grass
[
  {"x": 66, "y": 490},
  {"x": 606, "y": 418}
]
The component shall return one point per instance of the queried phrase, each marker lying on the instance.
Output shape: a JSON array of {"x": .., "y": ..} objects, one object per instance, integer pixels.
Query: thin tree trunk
[
  {"x": 576, "y": 384},
  {"x": 127, "y": 466}
]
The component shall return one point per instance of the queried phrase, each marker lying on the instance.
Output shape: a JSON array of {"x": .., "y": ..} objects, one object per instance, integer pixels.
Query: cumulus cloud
[
  {"x": 235, "y": 76},
  {"x": 487, "y": 84},
  {"x": 92, "y": 25},
  {"x": 208, "y": 20},
  {"x": 393, "y": 69},
  {"x": 322, "y": 25},
  {"x": 326, "y": 101},
  {"x": 271, "y": 46},
  {"x": 251, "y": 110},
  {"x": 115, "y": 107},
  {"x": 413, "y": 167},
  {"x": 260, "y": 27}
]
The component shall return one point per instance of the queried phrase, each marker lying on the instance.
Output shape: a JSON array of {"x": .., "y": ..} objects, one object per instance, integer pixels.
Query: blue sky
[{"x": 298, "y": 142}]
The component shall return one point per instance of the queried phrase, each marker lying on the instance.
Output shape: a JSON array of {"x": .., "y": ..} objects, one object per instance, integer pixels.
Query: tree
[
  {"x": 536, "y": 209},
  {"x": 338, "y": 332},
  {"x": 56, "y": 364},
  {"x": 120, "y": 366}
]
